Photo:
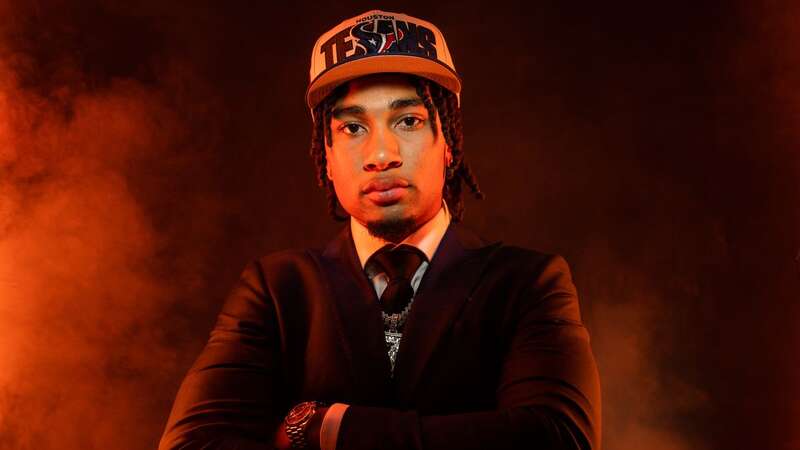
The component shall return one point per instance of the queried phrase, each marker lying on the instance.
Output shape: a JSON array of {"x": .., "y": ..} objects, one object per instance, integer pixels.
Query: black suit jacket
[{"x": 493, "y": 354}]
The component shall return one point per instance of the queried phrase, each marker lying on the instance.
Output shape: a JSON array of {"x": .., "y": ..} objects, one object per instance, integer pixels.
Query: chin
[
  {"x": 392, "y": 229},
  {"x": 392, "y": 223}
]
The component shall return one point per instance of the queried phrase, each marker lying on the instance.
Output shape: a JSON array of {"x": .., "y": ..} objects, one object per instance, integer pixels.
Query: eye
[
  {"x": 411, "y": 122},
  {"x": 351, "y": 128}
]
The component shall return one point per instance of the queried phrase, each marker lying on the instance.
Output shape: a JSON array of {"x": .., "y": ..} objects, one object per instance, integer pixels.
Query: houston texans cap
[{"x": 376, "y": 42}]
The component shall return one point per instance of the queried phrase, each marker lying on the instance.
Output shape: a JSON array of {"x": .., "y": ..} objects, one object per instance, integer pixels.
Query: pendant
[{"x": 392, "y": 346}]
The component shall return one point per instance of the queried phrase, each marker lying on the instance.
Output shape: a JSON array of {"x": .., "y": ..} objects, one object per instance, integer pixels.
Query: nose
[{"x": 383, "y": 152}]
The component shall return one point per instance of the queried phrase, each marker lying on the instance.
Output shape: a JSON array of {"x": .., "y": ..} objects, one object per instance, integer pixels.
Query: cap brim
[{"x": 431, "y": 69}]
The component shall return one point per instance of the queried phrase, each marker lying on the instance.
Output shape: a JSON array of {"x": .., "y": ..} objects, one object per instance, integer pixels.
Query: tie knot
[{"x": 399, "y": 262}]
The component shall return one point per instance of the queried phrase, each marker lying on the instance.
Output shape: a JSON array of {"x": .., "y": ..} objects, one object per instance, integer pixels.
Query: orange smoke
[
  {"x": 640, "y": 398},
  {"x": 77, "y": 296},
  {"x": 86, "y": 281}
]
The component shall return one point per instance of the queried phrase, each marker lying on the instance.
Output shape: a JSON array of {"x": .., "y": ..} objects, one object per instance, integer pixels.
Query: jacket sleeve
[
  {"x": 548, "y": 395},
  {"x": 230, "y": 398}
]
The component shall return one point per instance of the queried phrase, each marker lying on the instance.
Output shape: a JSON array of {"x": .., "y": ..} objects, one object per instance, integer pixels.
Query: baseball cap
[{"x": 376, "y": 42}]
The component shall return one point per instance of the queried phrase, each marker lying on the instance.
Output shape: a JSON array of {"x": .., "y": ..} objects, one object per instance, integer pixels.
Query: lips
[
  {"x": 385, "y": 191},
  {"x": 384, "y": 184}
]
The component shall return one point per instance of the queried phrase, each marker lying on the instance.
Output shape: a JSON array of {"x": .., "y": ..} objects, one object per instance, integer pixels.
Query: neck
[{"x": 426, "y": 236}]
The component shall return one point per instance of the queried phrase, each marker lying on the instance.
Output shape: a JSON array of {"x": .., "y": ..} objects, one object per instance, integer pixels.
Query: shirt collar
[{"x": 426, "y": 238}]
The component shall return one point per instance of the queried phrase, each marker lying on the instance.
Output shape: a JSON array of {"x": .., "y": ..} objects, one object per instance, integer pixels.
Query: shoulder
[
  {"x": 286, "y": 261},
  {"x": 531, "y": 268},
  {"x": 509, "y": 256},
  {"x": 530, "y": 259},
  {"x": 280, "y": 265},
  {"x": 541, "y": 271}
]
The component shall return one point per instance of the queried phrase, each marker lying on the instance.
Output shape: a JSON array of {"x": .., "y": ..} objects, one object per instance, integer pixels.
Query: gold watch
[{"x": 297, "y": 421}]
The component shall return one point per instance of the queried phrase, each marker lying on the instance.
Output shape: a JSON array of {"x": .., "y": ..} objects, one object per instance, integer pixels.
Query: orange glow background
[{"x": 148, "y": 152}]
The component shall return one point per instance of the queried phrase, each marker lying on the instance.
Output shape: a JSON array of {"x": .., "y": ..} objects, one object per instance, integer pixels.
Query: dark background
[{"x": 149, "y": 151}]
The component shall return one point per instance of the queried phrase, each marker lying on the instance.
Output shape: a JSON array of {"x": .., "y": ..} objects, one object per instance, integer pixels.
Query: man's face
[{"x": 386, "y": 165}]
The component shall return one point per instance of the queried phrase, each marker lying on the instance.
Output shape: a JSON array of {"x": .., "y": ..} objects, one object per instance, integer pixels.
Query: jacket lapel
[
  {"x": 359, "y": 315},
  {"x": 443, "y": 292}
]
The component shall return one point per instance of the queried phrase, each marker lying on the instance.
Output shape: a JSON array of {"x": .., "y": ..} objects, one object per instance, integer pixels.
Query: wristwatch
[{"x": 297, "y": 420}]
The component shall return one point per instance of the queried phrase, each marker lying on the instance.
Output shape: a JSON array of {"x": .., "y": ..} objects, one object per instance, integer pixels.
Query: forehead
[{"x": 378, "y": 89}]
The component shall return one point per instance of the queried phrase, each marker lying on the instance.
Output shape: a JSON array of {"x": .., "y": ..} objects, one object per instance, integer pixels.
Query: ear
[{"x": 448, "y": 156}]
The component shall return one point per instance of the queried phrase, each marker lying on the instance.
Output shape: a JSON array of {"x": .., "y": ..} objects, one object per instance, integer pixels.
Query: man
[{"x": 407, "y": 331}]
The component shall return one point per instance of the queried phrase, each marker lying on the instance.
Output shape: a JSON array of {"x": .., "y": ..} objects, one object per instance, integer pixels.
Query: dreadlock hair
[{"x": 435, "y": 98}]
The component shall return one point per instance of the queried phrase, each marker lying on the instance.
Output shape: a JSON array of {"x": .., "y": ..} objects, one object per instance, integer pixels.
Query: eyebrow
[
  {"x": 357, "y": 110},
  {"x": 405, "y": 103}
]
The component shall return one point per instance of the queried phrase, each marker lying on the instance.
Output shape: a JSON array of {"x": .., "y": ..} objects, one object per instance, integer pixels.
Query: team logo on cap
[
  {"x": 401, "y": 44},
  {"x": 378, "y": 34}
]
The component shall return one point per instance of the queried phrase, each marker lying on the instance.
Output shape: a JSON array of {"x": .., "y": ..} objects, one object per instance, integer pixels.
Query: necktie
[{"x": 400, "y": 263}]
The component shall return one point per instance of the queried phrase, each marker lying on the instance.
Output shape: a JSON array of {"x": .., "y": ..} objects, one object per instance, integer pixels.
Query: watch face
[{"x": 299, "y": 413}]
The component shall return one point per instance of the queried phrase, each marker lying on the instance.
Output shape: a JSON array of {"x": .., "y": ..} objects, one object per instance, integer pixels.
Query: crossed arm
[{"x": 548, "y": 396}]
